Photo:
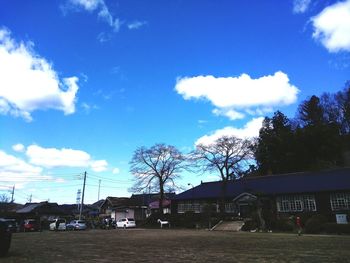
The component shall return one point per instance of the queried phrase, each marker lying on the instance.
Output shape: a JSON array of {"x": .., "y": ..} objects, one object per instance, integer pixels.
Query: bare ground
[{"x": 151, "y": 245}]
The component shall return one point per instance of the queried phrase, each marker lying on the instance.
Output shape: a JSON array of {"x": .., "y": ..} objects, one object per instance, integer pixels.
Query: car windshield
[
  {"x": 131, "y": 219},
  {"x": 81, "y": 222}
]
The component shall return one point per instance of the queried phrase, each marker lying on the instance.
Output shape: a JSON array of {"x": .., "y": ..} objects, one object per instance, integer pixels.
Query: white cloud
[
  {"x": 102, "y": 9},
  {"x": 332, "y": 27},
  {"x": 99, "y": 166},
  {"x": 116, "y": 171},
  {"x": 18, "y": 147},
  {"x": 89, "y": 5},
  {"x": 250, "y": 130},
  {"x": 15, "y": 170},
  {"x": 136, "y": 24},
  {"x": 28, "y": 82},
  {"x": 230, "y": 113},
  {"x": 53, "y": 158},
  {"x": 231, "y": 94},
  {"x": 301, "y": 6}
]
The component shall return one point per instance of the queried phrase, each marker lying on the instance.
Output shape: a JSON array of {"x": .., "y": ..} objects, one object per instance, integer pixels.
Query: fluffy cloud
[
  {"x": 15, "y": 170},
  {"x": 99, "y": 166},
  {"x": 230, "y": 113},
  {"x": 301, "y": 6},
  {"x": 103, "y": 12},
  {"x": 250, "y": 130},
  {"x": 53, "y": 158},
  {"x": 18, "y": 147},
  {"x": 28, "y": 82},
  {"x": 231, "y": 94},
  {"x": 332, "y": 27}
]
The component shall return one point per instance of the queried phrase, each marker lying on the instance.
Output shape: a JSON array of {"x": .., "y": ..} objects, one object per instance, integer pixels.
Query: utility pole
[
  {"x": 13, "y": 193},
  {"x": 99, "y": 186},
  {"x": 82, "y": 198},
  {"x": 30, "y": 198}
]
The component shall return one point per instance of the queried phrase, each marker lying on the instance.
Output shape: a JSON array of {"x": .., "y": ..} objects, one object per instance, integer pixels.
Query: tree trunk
[
  {"x": 223, "y": 199},
  {"x": 161, "y": 198}
]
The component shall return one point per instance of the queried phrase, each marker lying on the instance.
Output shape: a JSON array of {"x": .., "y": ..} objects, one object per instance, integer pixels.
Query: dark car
[
  {"x": 5, "y": 238},
  {"x": 12, "y": 225},
  {"x": 30, "y": 225}
]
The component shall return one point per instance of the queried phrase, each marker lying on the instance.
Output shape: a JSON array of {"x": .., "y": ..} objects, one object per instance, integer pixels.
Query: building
[
  {"x": 324, "y": 192},
  {"x": 138, "y": 206}
]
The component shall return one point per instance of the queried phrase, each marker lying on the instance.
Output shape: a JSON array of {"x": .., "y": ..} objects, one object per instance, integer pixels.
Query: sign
[{"x": 341, "y": 218}]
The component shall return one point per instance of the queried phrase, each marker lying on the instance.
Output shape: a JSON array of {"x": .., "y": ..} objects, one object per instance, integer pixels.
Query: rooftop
[{"x": 304, "y": 182}]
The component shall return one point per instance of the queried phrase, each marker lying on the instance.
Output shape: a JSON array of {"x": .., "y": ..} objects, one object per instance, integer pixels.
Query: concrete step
[{"x": 229, "y": 226}]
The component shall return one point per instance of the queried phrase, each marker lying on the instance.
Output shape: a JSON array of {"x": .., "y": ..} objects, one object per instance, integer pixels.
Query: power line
[{"x": 108, "y": 179}]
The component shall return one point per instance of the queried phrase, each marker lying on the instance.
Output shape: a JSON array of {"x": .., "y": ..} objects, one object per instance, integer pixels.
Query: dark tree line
[{"x": 317, "y": 138}]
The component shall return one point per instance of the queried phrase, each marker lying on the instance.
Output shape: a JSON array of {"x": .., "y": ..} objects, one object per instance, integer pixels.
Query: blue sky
[{"x": 83, "y": 83}]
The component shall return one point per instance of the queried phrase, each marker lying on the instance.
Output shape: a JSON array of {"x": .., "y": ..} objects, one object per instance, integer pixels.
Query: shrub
[
  {"x": 314, "y": 224},
  {"x": 284, "y": 224},
  {"x": 334, "y": 228}
]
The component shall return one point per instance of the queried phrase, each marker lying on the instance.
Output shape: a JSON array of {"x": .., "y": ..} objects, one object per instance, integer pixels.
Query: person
[
  {"x": 298, "y": 221},
  {"x": 57, "y": 224}
]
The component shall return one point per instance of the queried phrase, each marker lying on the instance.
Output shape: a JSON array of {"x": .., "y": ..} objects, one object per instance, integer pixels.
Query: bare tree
[
  {"x": 4, "y": 198},
  {"x": 156, "y": 168},
  {"x": 229, "y": 156}
]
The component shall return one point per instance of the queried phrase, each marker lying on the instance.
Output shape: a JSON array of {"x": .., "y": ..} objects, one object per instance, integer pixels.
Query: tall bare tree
[
  {"x": 157, "y": 168},
  {"x": 229, "y": 156}
]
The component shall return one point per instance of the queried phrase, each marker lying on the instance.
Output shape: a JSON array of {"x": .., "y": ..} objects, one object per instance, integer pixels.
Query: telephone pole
[
  {"x": 13, "y": 193},
  {"x": 82, "y": 198},
  {"x": 99, "y": 186}
]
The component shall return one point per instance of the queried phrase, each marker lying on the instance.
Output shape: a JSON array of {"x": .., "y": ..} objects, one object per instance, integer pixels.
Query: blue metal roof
[{"x": 305, "y": 182}]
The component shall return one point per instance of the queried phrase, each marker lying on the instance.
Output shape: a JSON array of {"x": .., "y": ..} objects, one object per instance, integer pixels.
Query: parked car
[
  {"x": 58, "y": 224},
  {"x": 126, "y": 223},
  {"x": 76, "y": 225},
  {"x": 12, "y": 225},
  {"x": 5, "y": 238},
  {"x": 30, "y": 225}
]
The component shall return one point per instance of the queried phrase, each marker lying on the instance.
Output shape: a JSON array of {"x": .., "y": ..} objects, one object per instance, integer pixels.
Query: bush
[
  {"x": 284, "y": 225},
  {"x": 314, "y": 224},
  {"x": 334, "y": 228}
]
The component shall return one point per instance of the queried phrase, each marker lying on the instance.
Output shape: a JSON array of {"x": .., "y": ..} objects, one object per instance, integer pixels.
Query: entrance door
[{"x": 245, "y": 210}]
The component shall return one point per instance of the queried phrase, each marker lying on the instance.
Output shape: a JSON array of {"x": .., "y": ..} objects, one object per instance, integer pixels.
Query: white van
[{"x": 61, "y": 223}]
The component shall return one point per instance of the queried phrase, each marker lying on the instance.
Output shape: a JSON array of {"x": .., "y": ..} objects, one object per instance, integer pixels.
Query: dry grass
[{"x": 137, "y": 245}]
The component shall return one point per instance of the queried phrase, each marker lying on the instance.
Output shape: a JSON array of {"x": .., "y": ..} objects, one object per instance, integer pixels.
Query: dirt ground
[{"x": 156, "y": 245}]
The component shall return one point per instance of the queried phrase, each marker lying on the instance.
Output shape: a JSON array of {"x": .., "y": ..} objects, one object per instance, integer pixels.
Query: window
[
  {"x": 340, "y": 201},
  {"x": 180, "y": 208},
  {"x": 188, "y": 206},
  {"x": 309, "y": 203},
  {"x": 296, "y": 203},
  {"x": 229, "y": 208}
]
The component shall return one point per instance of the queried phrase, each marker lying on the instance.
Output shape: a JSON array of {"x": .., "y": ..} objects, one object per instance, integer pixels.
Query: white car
[
  {"x": 126, "y": 223},
  {"x": 58, "y": 224},
  {"x": 76, "y": 225}
]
